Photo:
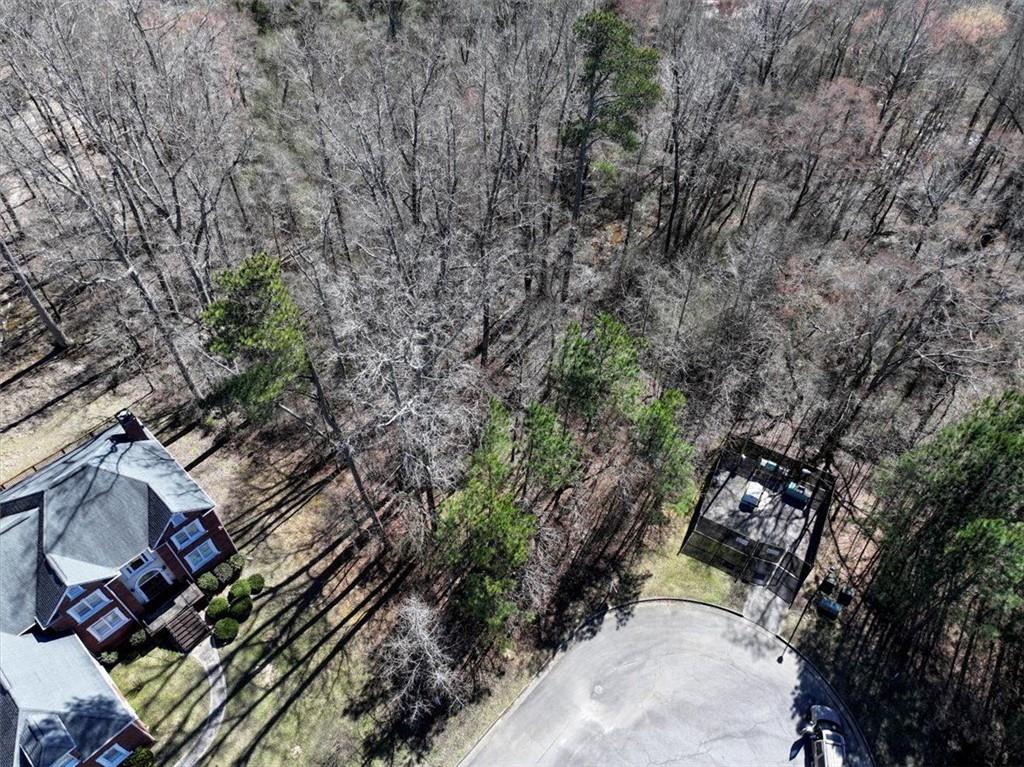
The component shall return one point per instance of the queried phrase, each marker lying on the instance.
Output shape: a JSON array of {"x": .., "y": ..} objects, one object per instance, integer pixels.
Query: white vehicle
[
  {"x": 751, "y": 496},
  {"x": 828, "y": 746}
]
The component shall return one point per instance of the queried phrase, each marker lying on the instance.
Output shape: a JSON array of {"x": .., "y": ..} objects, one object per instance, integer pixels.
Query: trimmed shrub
[
  {"x": 138, "y": 639},
  {"x": 225, "y": 573},
  {"x": 238, "y": 590},
  {"x": 217, "y": 609},
  {"x": 226, "y": 629},
  {"x": 140, "y": 757},
  {"x": 109, "y": 657},
  {"x": 237, "y": 561},
  {"x": 256, "y": 583},
  {"x": 241, "y": 609},
  {"x": 209, "y": 583}
]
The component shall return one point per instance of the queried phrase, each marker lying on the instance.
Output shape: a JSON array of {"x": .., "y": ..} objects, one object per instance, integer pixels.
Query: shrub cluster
[
  {"x": 209, "y": 583},
  {"x": 225, "y": 630},
  {"x": 138, "y": 639},
  {"x": 228, "y": 613},
  {"x": 239, "y": 589},
  {"x": 225, "y": 573},
  {"x": 241, "y": 609},
  {"x": 140, "y": 757},
  {"x": 217, "y": 609}
]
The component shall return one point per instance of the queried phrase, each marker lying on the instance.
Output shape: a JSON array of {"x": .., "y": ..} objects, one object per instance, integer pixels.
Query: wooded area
[{"x": 519, "y": 266}]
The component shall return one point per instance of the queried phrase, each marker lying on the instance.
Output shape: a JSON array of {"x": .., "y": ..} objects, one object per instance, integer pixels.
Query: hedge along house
[
  {"x": 760, "y": 517},
  {"x": 100, "y": 542},
  {"x": 107, "y": 539}
]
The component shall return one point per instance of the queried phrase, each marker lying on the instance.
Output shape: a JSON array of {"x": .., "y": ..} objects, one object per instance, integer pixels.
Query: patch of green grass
[
  {"x": 288, "y": 693},
  {"x": 170, "y": 693},
  {"x": 671, "y": 574}
]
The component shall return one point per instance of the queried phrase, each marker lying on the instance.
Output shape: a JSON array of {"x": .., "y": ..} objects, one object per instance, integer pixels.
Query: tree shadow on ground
[
  {"x": 899, "y": 712},
  {"x": 589, "y": 588},
  {"x": 394, "y": 732}
]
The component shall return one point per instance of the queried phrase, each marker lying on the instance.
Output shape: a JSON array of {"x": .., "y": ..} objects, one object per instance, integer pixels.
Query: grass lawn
[
  {"x": 672, "y": 574},
  {"x": 288, "y": 700},
  {"x": 169, "y": 692}
]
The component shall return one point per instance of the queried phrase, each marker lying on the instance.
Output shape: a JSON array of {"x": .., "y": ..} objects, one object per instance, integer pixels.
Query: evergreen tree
[
  {"x": 254, "y": 326},
  {"x": 552, "y": 453},
  {"x": 483, "y": 535},
  {"x": 598, "y": 372},
  {"x": 616, "y": 86},
  {"x": 659, "y": 442},
  {"x": 952, "y": 524}
]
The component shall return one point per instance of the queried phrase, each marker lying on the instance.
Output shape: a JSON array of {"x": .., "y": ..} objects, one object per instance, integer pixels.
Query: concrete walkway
[
  {"x": 209, "y": 659},
  {"x": 666, "y": 683},
  {"x": 764, "y": 608}
]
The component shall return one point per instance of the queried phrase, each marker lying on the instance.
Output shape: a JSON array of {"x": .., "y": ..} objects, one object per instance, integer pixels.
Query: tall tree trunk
[
  {"x": 60, "y": 340},
  {"x": 342, "y": 447}
]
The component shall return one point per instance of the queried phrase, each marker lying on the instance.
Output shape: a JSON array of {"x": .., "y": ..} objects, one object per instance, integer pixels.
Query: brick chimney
[{"x": 132, "y": 426}]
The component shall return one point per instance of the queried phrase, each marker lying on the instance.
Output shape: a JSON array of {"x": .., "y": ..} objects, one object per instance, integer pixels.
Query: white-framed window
[
  {"x": 138, "y": 563},
  {"x": 89, "y": 606},
  {"x": 74, "y": 592},
  {"x": 187, "y": 534},
  {"x": 108, "y": 624},
  {"x": 113, "y": 756},
  {"x": 67, "y": 761},
  {"x": 177, "y": 519},
  {"x": 201, "y": 554}
]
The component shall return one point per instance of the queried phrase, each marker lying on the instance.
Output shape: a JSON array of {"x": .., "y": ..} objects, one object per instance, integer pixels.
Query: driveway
[{"x": 665, "y": 683}]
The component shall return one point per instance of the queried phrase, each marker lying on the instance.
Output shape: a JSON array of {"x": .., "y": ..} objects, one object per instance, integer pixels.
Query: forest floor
[{"x": 297, "y": 670}]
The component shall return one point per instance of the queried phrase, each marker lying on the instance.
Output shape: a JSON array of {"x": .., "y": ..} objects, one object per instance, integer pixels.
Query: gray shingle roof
[
  {"x": 8, "y": 727},
  {"x": 84, "y": 516},
  {"x": 56, "y": 696},
  {"x": 27, "y": 587},
  {"x": 19, "y": 549}
]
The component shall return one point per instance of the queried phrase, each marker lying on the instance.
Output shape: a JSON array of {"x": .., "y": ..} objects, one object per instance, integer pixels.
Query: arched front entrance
[{"x": 152, "y": 585}]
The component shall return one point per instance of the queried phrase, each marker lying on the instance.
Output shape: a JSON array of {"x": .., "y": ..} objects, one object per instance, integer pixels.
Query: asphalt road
[{"x": 674, "y": 683}]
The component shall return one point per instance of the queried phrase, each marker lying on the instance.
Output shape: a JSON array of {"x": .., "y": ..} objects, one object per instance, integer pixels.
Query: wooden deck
[{"x": 157, "y": 620}]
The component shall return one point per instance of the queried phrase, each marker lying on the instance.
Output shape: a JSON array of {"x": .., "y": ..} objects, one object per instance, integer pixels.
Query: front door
[{"x": 153, "y": 585}]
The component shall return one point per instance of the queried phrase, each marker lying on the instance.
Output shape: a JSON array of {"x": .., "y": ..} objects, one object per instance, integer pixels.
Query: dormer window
[{"x": 68, "y": 760}]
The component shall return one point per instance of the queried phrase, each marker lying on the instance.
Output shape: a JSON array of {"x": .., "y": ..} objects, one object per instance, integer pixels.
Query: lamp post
[{"x": 827, "y": 585}]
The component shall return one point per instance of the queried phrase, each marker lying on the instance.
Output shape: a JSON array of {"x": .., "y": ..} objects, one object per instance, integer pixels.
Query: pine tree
[
  {"x": 552, "y": 454},
  {"x": 254, "y": 326},
  {"x": 659, "y": 442},
  {"x": 952, "y": 525},
  {"x": 597, "y": 372},
  {"x": 483, "y": 535},
  {"x": 617, "y": 86}
]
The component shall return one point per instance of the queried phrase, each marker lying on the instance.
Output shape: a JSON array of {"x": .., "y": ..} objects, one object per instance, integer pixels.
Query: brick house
[
  {"x": 105, "y": 539},
  {"x": 58, "y": 707}
]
